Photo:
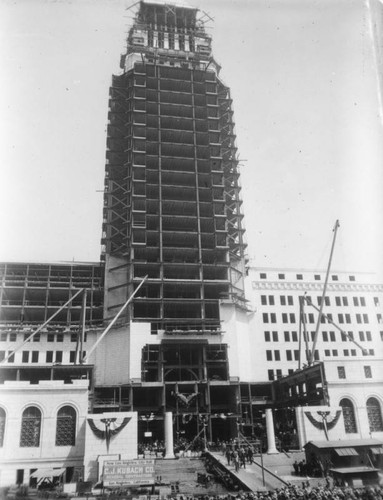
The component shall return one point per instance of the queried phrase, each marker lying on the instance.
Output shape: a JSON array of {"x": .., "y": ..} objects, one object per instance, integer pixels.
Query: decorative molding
[{"x": 335, "y": 287}]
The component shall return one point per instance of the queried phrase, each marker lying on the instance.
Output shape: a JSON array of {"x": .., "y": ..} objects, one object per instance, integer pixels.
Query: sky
[{"x": 305, "y": 87}]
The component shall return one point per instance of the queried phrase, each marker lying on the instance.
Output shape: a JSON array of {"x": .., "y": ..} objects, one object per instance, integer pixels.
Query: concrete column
[
  {"x": 271, "y": 449},
  {"x": 168, "y": 422}
]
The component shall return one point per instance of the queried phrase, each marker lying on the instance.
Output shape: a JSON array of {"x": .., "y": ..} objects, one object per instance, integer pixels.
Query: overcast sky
[{"x": 304, "y": 81}]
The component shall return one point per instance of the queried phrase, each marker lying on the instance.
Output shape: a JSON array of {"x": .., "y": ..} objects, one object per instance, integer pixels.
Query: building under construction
[{"x": 173, "y": 264}]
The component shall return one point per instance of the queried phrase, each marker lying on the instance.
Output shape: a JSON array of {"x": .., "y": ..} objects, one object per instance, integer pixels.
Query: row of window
[
  {"x": 294, "y": 354},
  {"x": 342, "y": 371},
  {"x": 31, "y": 427},
  {"x": 374, "y": 414},
  {"x": 339, "y": 301},
  {"x": 326, "y": 336},
  {"x": 312, "y": 318},
  {"x": 317, "y": 277},
  {"x": 50, "y": 337},
  {"x": 34, "y": 356}
]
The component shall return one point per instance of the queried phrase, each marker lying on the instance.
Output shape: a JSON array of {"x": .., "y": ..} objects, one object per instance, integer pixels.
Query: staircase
[{"x": 181, "y": 476}]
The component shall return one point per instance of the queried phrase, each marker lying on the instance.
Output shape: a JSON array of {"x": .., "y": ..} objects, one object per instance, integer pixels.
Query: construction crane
[{"x": 310, "y": 353}]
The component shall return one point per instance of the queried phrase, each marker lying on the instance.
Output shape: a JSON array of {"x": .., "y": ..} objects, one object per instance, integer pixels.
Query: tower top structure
[{"x": 169, "y": 33}]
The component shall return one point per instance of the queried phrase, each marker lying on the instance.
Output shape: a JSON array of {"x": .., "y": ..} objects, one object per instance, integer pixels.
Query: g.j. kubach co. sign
[{"x": 129, "y": 472}]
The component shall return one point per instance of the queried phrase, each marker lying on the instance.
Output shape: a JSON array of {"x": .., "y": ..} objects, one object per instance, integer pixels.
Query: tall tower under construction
[{"x": 172, "y": 205}]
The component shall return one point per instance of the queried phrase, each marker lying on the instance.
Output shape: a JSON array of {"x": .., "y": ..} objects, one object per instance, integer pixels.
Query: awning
[
  {"x": 354, "y": 470},
  {"x": 47, "y": 473},
  {"x": 377, "y": 451},
  {"x": 346, "y": 452}
]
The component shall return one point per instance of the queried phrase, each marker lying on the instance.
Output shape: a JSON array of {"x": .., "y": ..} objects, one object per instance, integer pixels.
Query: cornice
[{"x": 334, "y": 287}]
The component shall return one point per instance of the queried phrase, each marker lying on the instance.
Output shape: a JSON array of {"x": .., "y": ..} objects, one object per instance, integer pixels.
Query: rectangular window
[
  {"x": 294, "y": 336},
  {"x": 277, "y": 356},
  {"x": 273, "y": 317},
  {"x": 296, "y": 354},
  {"x": 337, "y": 301},
  {"x": 60, "y": 337},
  {"x": 345, "y": 301},
  {"x": 12, "y": 337},
  {"x": 73, "y": 337},
  {"x": 11, "y": 359},
  {"x": 371, "y": 352},
  {"x": 269, "y": 355},
  {"x": 367, "y": 372},
  {"x": 275, "y": 336},
  {"x": 327, "y": 352},
  {"x": 379, "y": 318},
  {"x": 359, "y": 319},
  {"x": 270, "y": 374},
  {"x": 334, "y": 277},
  {"x": 353, "y": 352},
  {"x": 316, "y": 355},
  {"x": 3, "y": 337},
  {"x": 311, "y": 318},
  {"x": 282, "y": 300},
  {"x": 350, "y": 336},
  {"x": 325, "y": 336},
  {"x": 351, "y": 278},
  {"x": 290, "y": 300},
  {"x": 361, "y": 336},
  {"x": 347, "y": 318},
  {"x": 332, "y": 336},
  {"x": 355, "y": 301},
  {"x": 299, "y": 276},
  {"x": 327, "y": 301},
  {"x": 281, "y": 276},
  {"x": 36, "y": 338},
  {"x": 381, "y": 336},
  {"x": 335, "y": 352},
  {"x": 290, "y": 371},
  {"x": 317, "y": 277},
  {"x": 289, "y": 356},
  {"x": 363, "y": 302},
  {"x": 319, "y": 300},
  {"x": 287, "y": 336},
  {"x": 376, "y": 301},
  {"x": 279, "y": 373},
  {"x": 49, "y": 357},
  {"x": 72, "y": 356},
  {"x": 284, "y": 318},
  {"x": 368, "y": 336},
  {"x": 35, "y": 356},
  {"x": 343, "y": 336},
  {"x": 25, "y": 357},
  {"x": 267, "y": 336},
  {"x": 271, "y": 300},
  {"x": 265, "y": 317},
  {"x": 292, "y": 318},
  {"x": 340, "y": 318},
  {"x": 263, "y": 300},
  {"x": 2, "y": 355},
  {"x": 263, "y": 276},
  {"x": 345, "y": 352},
  {"x": 341, "y": 372},
  {"x": 365, "y": 318},
  {"x": 59, "y": 357},
  {"x": 50, "y": 337}
]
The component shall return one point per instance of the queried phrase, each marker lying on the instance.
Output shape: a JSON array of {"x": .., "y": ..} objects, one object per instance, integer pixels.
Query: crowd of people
[{"x": 293, "y": 492}]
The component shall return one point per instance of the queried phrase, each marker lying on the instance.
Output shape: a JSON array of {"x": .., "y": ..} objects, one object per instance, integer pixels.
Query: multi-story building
[{"x": 351, "y": 326}]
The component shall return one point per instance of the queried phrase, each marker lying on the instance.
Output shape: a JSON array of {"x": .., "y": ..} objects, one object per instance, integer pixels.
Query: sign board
[{"x": 128, "y": 472}]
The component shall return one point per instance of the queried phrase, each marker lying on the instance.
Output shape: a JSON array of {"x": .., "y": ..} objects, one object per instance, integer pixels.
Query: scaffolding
[{"x": 172, "y": 205}]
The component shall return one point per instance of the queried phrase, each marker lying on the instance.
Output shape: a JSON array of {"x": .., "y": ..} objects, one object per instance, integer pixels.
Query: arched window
[
  {"x": 30, "y": 427},
  {"x": 66, "y": 426},
  {"x": 348, "y": 416},
  {"x": 374, "y": 414},
  {"x": 2, "y": 426}
]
